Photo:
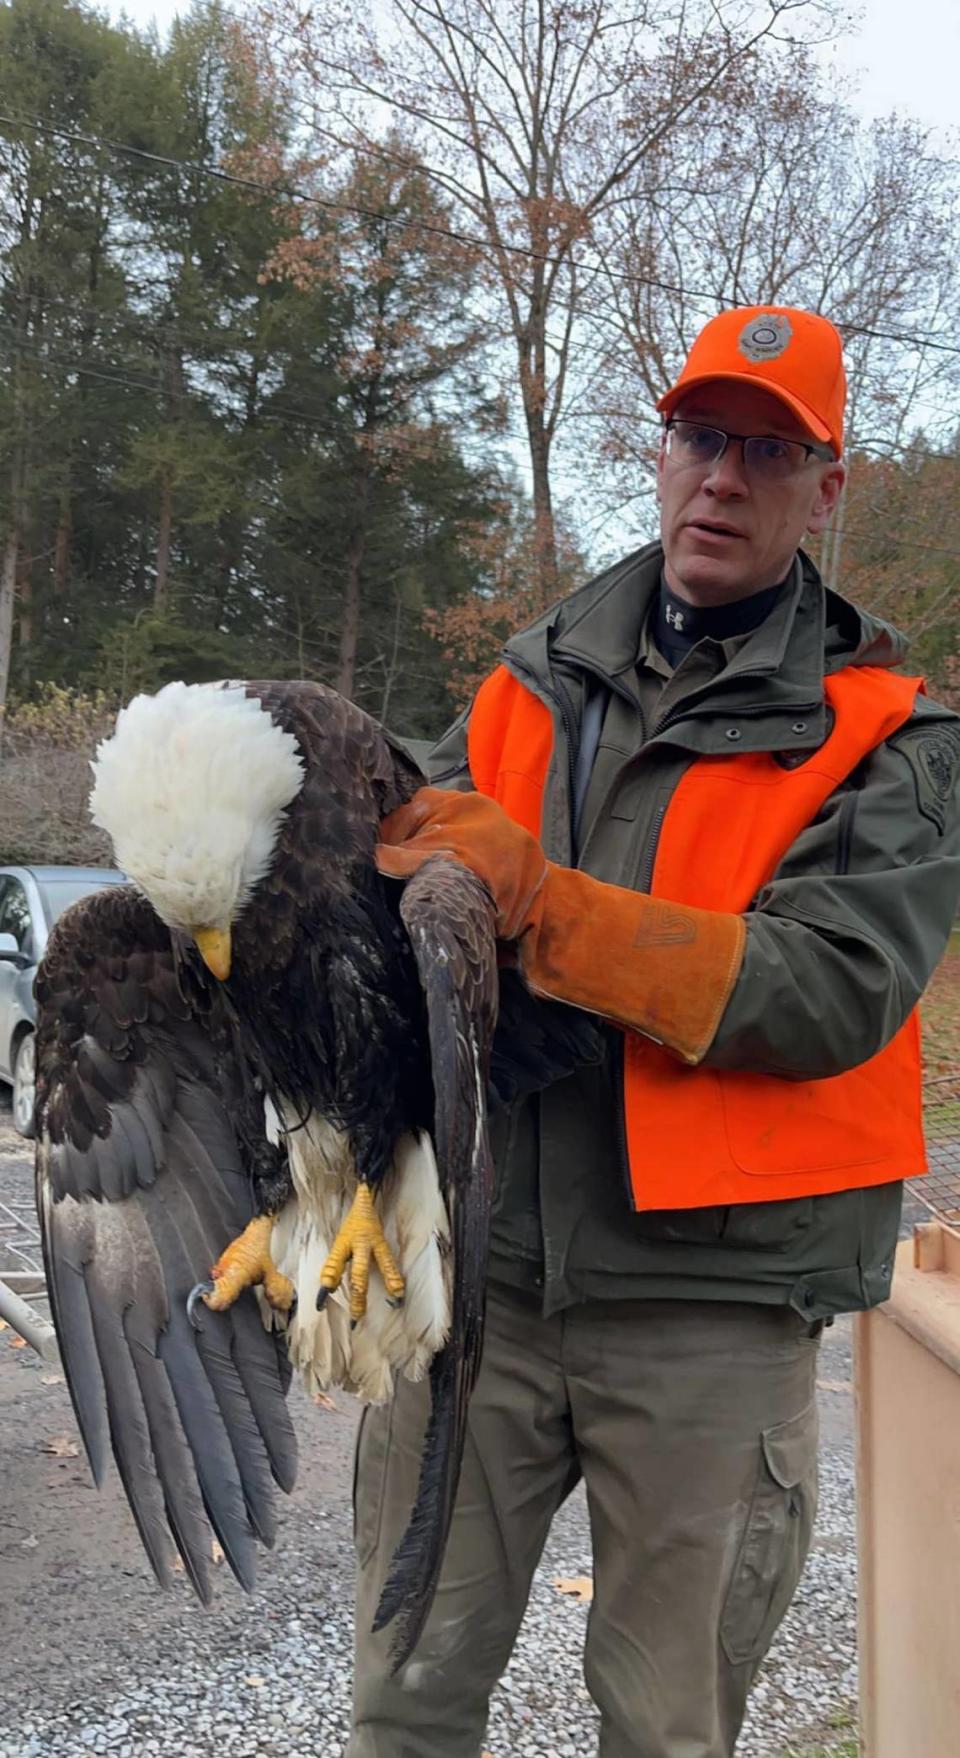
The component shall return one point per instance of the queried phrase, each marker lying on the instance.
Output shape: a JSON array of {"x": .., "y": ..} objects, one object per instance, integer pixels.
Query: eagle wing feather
[
  {"x": 140, "y": 1185},
  {"x": 449, "y": 918}
]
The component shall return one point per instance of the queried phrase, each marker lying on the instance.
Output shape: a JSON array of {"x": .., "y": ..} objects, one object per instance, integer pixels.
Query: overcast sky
[{"x": 906, "y": 54}]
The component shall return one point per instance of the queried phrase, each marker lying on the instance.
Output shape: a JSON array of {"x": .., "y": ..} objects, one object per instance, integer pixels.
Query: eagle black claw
[
  {"x": 323, "y": 1295},
  {"x": 193, "y": 1298}
]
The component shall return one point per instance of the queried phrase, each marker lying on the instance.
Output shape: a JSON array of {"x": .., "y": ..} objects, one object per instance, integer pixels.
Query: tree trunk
[
  {"x": 235, "y": 523},
  {"x": 8, "y": 589},
  {"x": 350, "y": 633},
  {"x": 172, "y": 389},
  {"x": 833, "y": 544},
  {"x": 545, "y": 533},
  {"x": 24, "y": 603},
  {"x": 533, "y": 387},
  {"x": 160, "y": 592},
  {"x": 62, "y": 542},
  {"x": 393, "y": 662}
]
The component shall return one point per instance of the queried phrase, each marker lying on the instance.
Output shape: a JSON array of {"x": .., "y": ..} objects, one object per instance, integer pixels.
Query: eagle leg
[
  {"x": 360, "y": 1238},
  {"x": 246, "y": 1263}
]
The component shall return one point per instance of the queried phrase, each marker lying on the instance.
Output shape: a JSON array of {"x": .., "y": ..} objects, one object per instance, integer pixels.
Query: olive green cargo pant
[{"x": 694, "y": 1427}]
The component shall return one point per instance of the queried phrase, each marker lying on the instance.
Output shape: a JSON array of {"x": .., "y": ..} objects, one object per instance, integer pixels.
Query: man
[{"x": 709, "y": 811}]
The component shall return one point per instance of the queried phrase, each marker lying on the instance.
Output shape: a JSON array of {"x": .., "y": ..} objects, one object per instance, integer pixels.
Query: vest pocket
[{"x": 775, "y": 1540}]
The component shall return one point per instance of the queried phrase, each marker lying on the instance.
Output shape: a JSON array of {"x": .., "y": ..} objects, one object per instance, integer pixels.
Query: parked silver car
[{"x": 31, "y": 899}]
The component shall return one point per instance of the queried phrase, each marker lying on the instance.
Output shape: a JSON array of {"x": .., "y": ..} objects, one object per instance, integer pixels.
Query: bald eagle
[{"x": 259, "y": 1064}]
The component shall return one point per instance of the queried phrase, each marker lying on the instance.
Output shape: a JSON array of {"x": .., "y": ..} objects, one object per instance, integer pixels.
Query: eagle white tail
[{"x": 403, "y": 1339}]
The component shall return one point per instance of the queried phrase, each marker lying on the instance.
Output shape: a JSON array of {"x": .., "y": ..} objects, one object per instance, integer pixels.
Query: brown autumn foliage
[
  {"x": 45, "y": 779},
  {"x": 900, "y": 554},
  {"x": 782, "y": 195},
  {"x": 472, "y": 632},
  {"x": 896, "y": 553}
]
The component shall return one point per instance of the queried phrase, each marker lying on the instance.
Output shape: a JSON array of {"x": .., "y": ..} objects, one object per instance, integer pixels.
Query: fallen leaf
[
  {"x": 3, "y": 1325},
  {"x": 324, "y": 1402},
  {"x": 62, "y": 1447},
  {"x": 216, "y": 1555},
  {"x": 834, "y": 1386},
  {"x": 255, "y": 1680},
  {"x": 51, "y": 1379},
  {"x": 18, "y": 1342},
  {"x": 578, "y": 1586}
]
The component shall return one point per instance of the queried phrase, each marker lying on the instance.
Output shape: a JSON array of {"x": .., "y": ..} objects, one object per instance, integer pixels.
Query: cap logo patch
[{"x": 764, "y": 337}]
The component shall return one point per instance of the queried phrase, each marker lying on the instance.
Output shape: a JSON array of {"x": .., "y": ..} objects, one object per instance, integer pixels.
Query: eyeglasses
[{"x": 766, "y": 458}]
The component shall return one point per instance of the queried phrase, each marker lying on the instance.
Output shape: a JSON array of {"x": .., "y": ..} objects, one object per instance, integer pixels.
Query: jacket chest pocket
[{"x": 622, "y": 845}]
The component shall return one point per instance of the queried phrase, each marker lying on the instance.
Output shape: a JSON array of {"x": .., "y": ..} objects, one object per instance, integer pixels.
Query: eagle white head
[{"x": 192, "y": 789}]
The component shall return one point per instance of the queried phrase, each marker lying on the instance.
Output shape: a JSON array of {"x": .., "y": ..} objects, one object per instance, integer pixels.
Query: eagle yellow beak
[{"x": 214, "y": 947}]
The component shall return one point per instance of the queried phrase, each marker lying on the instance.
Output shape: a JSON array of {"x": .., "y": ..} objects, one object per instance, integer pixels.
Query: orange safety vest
[{"x": 699, "y": 1136}]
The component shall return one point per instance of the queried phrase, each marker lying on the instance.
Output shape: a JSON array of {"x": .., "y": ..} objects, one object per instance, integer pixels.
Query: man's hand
[
  {"x": 651, "y": 965},
  {"x": 475, "y": 831}
]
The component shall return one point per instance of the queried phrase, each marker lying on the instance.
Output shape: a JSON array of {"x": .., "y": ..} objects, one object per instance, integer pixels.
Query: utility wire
[
  {"x": 220, "y": 345},
  {"x": 328, "y": 204},
  {"x": 894, "y": 541},
  {"x": 284, "y": 411},
  {"x": 270, "y": 411}
]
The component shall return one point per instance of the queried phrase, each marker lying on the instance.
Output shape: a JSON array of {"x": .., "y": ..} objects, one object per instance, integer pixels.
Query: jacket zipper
[
  {"x": 620, "y": 1079},
  {"x": 620, "y": 1105},
  {"x": 650, "y": 852},
  {"x": 845, "y": 822}
]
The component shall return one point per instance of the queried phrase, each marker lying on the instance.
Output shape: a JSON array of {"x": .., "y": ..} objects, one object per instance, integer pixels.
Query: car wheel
[{"x": 24, "y": 1087}]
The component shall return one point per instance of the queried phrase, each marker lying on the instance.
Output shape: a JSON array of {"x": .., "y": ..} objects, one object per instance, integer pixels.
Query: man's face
[{"x": 726, "y": 535}]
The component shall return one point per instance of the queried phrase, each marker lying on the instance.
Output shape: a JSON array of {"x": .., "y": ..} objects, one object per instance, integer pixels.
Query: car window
[
  {"x": 59, "y": 894},
  {"x": 15, "y": 916}
]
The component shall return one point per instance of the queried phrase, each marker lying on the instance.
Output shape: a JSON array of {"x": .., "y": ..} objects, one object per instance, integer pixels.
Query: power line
[
  {"x": 225, "y": 345},
  {"x": 328, "y": 204},
  {"x": 106, "y": 372},
  {"x": 857, "y": 533}
]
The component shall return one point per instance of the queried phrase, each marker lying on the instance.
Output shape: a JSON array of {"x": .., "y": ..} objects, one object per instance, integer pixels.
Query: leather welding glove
[{"x": 656, "y": 967}]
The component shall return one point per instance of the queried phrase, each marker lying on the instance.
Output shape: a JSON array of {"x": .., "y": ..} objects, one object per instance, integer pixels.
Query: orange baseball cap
[{"x": 796, "y": 355}]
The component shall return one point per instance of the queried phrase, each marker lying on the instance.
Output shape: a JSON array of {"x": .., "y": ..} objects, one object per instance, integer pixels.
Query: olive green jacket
[{"x": 840, "y": 944}]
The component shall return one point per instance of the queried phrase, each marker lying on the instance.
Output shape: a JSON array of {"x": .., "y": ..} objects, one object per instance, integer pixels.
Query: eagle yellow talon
[
  {"x": 360, "y": 1238},
  {"x": 247, "y": 1263}
]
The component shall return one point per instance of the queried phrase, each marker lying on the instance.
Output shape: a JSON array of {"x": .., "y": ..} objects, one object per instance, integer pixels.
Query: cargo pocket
[
  {"x": 370, "y": 1478},
  {"x": 776, "y": 1538}
]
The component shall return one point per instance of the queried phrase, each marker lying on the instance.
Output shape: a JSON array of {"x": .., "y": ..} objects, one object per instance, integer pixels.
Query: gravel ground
[{"x": 96, "y": 1659}]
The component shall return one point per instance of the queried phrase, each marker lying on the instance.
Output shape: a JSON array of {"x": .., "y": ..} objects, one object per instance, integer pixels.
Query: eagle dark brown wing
[
  {"x": 140, "y": 1185},
  {"x": 449, "y": 918}
]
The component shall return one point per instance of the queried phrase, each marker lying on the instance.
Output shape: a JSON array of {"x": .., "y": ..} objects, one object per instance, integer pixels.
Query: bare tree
[
  {"x": 536, "y": 120},
  {"x": 783, "y": 195}
]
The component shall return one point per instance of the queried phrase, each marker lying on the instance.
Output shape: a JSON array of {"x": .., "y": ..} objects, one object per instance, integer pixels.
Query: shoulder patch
[{"x": 933, "y": 753}]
